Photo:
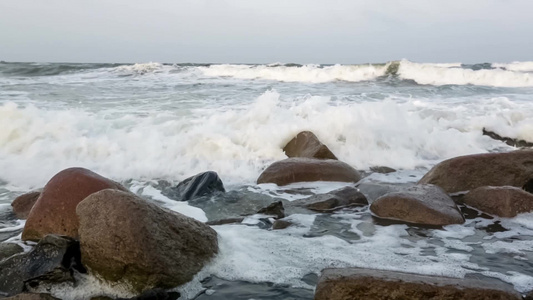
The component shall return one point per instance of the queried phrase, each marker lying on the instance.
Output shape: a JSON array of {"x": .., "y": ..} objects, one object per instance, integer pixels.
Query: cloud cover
[{"x": 264, "y": 31}]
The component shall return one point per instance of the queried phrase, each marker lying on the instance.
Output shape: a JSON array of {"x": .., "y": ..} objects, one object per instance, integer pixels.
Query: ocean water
[{"x": 145, "y": 123}]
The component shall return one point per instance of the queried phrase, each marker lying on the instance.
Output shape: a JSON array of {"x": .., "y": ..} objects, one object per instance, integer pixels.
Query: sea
[{"x": 151, "y": 125}]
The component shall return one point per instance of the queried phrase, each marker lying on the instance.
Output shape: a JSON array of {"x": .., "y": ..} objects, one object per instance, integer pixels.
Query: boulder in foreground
[
  {"x": 55, "y": 209},
  {"x": 306, "y": 144},
  {"x": 299, "y": 169},
  {"x": 504, "y": 201},
  {"x": 23, "y": 204},
  {"x": 468, "y": 172},
  {"x": 125, "y": 238},
  {"x": 355, "y": 283},
  {"x": 51, "y": 261},
  {"x": 420, "y": 204}
]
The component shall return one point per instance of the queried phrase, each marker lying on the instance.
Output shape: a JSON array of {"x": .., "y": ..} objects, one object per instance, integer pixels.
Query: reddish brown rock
[
  {"x": 55, "y": 209},
  {"x": 306, "y": 144},
  {"x": 355, "y": 283},
  {"x": 505, "y": 201},
  {"x": 23, "y": 204},
  {"x": 306, "y": 169},
  {"x": 468, "y": 172},
  {"x": 127, "y": 239},
  {"x": 420, "y": 204}
]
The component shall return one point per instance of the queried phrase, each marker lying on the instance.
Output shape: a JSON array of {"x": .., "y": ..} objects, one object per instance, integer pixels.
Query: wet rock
[
  {"x": 306, "y": 144},
  {"x": 23, "y": 204},
  {"x": 202, "y": 184},
  {"x": 344, "y": 197},
  {"x": 275, "y": 209},
  {"x": 31, "y": 296},
  {"x": 54, "y": 211},
  {"x": 382, "y": 170},
  {"x": 225, "y": 221},
  {"x": 306, "y": 169},
  {"x": 155, "y": 294},
  {"x": 125, "y": 238},
  {"x": 355, "y": 283},
  {"x": 372, "y": 191},
  {"x": 507, "y": 140},
  {"x": 420, "y": 204},
  {"x": 280, "y": 224},
  {"x": 51, "y": 261},
  {"x": 9, "y": 249},
  {"x": 505, "y": 201},
  {"x": 468, "y": 172}
]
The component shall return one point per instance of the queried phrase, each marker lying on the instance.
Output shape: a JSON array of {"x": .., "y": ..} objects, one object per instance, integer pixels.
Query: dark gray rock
[
  {"x": 420, "y": 204},
  {"x": 127, "y": 239},
  {"x": 507, "y": 140},
  {"x": 51, "y": 261},
  {"x": 203, "y": 184},
  {"x": 9, "y": 249},
  {"x": 382, "y": 169},
  {"x": 276, "y": 209},
  {"x": 337, "y": 199},
  {"x": 356, "y": 283}
]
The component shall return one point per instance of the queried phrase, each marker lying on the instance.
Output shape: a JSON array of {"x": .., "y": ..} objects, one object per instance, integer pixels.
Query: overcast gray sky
[{"x": 263, "y": 31}]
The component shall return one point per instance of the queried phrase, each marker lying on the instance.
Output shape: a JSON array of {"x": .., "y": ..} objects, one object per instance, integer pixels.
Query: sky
[{"x": 266, "y": 31}]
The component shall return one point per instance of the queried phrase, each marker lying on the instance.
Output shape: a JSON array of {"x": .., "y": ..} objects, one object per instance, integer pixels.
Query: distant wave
[
  {"x": 47, "y": 69},
  {"x": 139, "y": 69},
  {"x": 526, "y": 66}
]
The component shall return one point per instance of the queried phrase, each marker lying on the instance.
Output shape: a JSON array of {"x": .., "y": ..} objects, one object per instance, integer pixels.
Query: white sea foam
[
  {"x": 306, "y": 73},
  {"x": 518, "y": 66},
  {"x": 437, "y": 75},
  {"x": 139, "y": 68},
  {"x": 238, "y": 141}
]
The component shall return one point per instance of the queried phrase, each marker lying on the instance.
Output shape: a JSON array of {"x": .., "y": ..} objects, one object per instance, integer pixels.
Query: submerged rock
[
  {"x": 468, "y": 172},
  {"x": 355, "y": 283},
  {"x": 344, "y": 197},
  {"x": 421, "y": 204},
  {"x": 51, "y": 261},
  {"x": 306, "y": 169},
  {"x": 55, "y": 209},
  {"x": 505, "y": 201},
  {"x": 280, "y": 224},
  {"x": 507, "y": 140},
  {"x": 202, "y": 184},
  {"x": 306, "y": 144},
  {"x": 382, "y": 169},
  {"x": 23, "y": 204},
  {"x": 155, "y": 294},
  {"x": 125, "y": 238},
  {"x": 276, "y": 209}
]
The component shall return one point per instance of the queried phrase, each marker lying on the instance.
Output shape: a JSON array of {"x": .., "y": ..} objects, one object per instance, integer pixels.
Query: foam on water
[
  {"x": 438, "y": 75},
  {"x": 240, "y": 140},
  {"x": 518, "y": 66}
]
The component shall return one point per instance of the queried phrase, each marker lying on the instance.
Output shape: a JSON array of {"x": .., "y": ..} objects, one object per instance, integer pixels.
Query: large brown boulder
[
  {"x": 306, "y": 144},
  {"x": 299, "y": 169},
  {"x": 55, "y": 209},
  {"x": 355, "y": 283},
  {"x": 125, "y": 238},
  {"x": 420, "y": 204},
  {"x": 468, "y": 172},
  {"x": 23, "y": 204},
  {"x": 504, "y": 201}
]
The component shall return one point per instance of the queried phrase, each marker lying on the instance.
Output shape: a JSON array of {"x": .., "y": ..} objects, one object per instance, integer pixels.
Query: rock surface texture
[
  {"x": 51, "y": 261},
  {"x": 468, "y": 172},
  {"x": 344, "y": 197},
  {"x": 30, "y": 296},
  {"x": 306, "y": 144},
  {"x": 355, "y": 283},
  {"x": 305, "y": 169},
  {"x": 23, "y": 204},
  {"x": 202, "y": 184},
  {"x": 420, "y": 204},
  {"x": 504, "y": 201},
  {"x": 55, "y": 209},
  {"x": 125, "y": 238}
]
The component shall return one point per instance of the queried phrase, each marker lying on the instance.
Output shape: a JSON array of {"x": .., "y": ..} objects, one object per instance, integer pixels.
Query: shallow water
[{"x": 153, "y": 125}]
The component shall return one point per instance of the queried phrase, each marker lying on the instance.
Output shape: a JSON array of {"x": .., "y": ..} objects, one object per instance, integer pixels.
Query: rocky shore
[{"x": 84, "y": 223}]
